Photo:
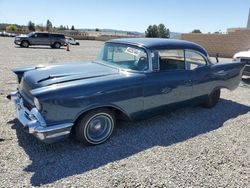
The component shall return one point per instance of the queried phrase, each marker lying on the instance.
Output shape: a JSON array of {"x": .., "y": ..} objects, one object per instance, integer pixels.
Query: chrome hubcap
[{"x": 99, "y": 128}]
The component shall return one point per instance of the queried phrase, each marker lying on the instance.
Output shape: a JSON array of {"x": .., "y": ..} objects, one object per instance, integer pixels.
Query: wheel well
[
  {"x": 117, "y": 113},
  {"x": 26, "y": 41}
]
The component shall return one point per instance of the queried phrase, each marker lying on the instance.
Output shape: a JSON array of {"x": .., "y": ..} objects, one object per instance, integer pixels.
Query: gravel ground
[{"x": 190, "y": 147}]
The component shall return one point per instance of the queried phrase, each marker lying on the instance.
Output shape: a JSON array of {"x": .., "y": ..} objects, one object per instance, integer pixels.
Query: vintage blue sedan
[{"x": 131, "y": 79}]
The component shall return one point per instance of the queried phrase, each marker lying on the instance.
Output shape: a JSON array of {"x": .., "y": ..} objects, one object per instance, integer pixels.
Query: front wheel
[
  {"x": 24, "y": 44},
  {"x": 213, "y": 99},
  {"x": 95, "y": 127}
]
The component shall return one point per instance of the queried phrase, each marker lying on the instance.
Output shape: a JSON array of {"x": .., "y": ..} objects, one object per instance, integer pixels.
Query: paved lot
[{"x": 191, "y": 147}]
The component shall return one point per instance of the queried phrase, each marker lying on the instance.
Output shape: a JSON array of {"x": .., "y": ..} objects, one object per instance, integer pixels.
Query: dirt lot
[{"x": 191, "y": 147}]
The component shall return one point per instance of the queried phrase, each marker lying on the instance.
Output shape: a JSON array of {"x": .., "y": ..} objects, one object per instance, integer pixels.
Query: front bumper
[
  {"x": 34, "y": 123},
  {"x": 17, "y": 42},
  {"x": 246, "y": 70}
]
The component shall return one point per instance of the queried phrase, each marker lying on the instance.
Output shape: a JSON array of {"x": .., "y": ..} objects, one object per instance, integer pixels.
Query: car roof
[
  {"x": 160, "y": 44},
  {"x": 48, "y": 33}
]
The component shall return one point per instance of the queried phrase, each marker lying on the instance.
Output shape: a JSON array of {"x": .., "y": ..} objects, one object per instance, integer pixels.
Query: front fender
[
  {"x": 20, "y": 71},
  {"x": 98, "y": 106}
]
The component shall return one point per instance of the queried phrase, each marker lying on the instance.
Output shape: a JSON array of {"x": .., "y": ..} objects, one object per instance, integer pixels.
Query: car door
[
  {"x": 34, "y": 40},
  {"x": 201, "y": 73},
  {"x": 41, "y": 39},
  {"x": 171, "y": 84}
]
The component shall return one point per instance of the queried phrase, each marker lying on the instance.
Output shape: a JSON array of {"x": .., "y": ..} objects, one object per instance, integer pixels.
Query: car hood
[
  {"x": 22, "y": 36},
  {"x": 56, "y": 74}
]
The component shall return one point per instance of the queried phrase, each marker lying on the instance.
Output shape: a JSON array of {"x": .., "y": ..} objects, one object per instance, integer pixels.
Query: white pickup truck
[
  {"x": 244, "y": 56},
  {"x": 71, "y": 41}
]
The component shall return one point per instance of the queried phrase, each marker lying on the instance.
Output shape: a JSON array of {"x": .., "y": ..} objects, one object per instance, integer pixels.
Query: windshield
[
  {"x": 30, "y": 34},
  {"x": 124, "y": 56}
]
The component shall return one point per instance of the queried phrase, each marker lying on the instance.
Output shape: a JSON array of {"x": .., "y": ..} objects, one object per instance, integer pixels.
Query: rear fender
[{"x": 228, "y": 75}]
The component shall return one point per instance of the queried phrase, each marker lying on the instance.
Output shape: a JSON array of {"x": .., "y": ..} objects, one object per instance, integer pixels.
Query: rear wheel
[
  {"x": 57, "y": 45},
  {"x": 25, "y": 44},
  {"x": 95, "y": 127},
  {"x": 213, "y": 99}
]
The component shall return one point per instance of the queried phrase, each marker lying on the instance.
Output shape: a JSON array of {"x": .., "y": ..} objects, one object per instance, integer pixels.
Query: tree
[
  {"x": 152, "y": 31},
  {"x": 40, "y": 27},
  {"x": 72, "y": 28},
  {"x": 196, "y": 31},
  {"x": 31, "y": 26},
  {"x": 49, "y": 25},
  {"x": 155, "y": 31},
  {"x": 97, "y": 29},
  {"x": 163, "y": 31},
  {"x": 61, "y": 27},
  {"x": 11, "y": 28}
]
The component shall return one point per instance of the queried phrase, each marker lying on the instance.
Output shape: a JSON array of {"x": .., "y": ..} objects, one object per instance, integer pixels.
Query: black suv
[{"x": 35, "y": 38}]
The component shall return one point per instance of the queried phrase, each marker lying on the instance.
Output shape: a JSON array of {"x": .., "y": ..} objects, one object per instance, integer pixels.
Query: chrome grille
[{"x": 247, "y": 61}]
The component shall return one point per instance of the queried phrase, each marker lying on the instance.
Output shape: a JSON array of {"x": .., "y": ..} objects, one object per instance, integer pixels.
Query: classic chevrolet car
[{"x": 130, "y": 79}]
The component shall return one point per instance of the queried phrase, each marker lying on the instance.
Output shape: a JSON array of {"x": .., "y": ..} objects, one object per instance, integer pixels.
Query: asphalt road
[{"x": 190, "y": 147}]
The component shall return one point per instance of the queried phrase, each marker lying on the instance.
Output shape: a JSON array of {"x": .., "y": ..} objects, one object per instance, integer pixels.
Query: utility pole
[{"x": 248, "y": 22}]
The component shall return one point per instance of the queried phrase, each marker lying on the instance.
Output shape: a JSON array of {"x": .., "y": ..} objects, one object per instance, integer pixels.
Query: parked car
[
  {"x": 243, "y": 56},
  {"x": 40, "y": 38},
  {"x": 71, "y": 41},
  {"x": 130, "y": 79},
  {"x": 6, "y": 34}
]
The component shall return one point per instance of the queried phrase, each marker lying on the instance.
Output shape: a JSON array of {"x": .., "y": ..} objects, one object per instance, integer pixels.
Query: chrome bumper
[
  {"x": 246, "y": 70},
  {"x": 34, "y": 123}
]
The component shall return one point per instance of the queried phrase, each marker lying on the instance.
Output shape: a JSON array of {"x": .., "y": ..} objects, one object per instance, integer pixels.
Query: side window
[
  {"x": 43, "y": 35},
  {"x": 39, "y": 35},
  {"x": 194, "y": 60},
  {"x": 171, "y": 60},
  {"x": 155, "y": 60}
]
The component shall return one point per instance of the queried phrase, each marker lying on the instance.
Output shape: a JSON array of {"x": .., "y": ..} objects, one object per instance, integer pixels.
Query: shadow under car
[{"x": 59, "y": 160}]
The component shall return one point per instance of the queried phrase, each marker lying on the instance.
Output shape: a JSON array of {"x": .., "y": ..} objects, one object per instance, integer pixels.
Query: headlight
[
  {"x": 37, "y": 104},
  {"x": 17, "y": 38}
]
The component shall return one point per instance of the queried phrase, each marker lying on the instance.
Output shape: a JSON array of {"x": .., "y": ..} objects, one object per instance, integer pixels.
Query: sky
[{"x": 131, "y": 15}]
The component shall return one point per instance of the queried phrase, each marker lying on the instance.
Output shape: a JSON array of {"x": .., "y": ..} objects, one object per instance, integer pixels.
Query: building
[{"x": 226, "y": 45}]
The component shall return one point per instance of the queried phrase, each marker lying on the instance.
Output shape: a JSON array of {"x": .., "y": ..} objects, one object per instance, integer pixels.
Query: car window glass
[
  {"x": 194, "y": 60},
  {"x": 171, "y": 60},
  {"x": 43, "y": 35},
  {"x": 124, "y": 56},
  {"x": 155, "y": 60}
]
